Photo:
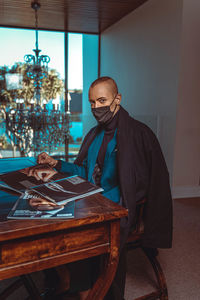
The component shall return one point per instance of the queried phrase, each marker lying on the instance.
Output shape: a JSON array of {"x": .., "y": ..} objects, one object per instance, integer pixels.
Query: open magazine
[
  {"x": 67, "y": 189},
  {"x": 19, "y": 180},
  {"x": 59, "y": 189}
]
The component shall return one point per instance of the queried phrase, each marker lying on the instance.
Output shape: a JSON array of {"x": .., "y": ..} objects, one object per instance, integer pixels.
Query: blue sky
[{"x": 15, "y": 43}]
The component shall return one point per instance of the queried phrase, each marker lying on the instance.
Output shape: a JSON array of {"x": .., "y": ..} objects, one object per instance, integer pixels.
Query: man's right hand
[{"x": 44, "y": 158}]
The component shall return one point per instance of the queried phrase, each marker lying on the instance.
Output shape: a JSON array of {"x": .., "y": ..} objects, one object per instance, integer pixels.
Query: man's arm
[
  {"x": 63, "y": 166},
  {"x": 158, "y": 229},
  {"x": 71, "y": 168}
]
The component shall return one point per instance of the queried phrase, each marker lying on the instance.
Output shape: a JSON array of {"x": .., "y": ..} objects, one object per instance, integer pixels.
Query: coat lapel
[
  {"x": 93, "y": 153},
  {"x": 110, "y": 148},
  {"x": 83, "y": 152}
]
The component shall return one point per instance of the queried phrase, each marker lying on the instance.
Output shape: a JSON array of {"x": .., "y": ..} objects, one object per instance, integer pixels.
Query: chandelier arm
[{"x": 3, "y": 111}]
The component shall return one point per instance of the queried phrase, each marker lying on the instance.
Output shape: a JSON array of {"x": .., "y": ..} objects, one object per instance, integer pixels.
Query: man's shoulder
[
  {"x": 137, "y": 130},
  {"x": 142, "y": 127},
  {"x": 91, "y": 131},
  {"x": 139, "y": 127},
  {"x": 126, "y": 118}
]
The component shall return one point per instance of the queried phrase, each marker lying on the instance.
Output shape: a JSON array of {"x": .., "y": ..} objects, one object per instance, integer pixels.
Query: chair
[
  {"x": 25, "y": 281},
  {"x": 134, "y": 241}
]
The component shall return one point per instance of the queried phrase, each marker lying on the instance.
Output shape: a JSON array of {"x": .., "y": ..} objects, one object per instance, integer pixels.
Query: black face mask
[{"x": 103, "y": 114}]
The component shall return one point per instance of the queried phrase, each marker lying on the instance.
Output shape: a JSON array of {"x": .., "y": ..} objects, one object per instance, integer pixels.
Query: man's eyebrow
[{"x": 101, "y": 98}]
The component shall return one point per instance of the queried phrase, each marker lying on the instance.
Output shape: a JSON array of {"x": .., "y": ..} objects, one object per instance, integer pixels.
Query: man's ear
[{"x": 119, "y": 98}]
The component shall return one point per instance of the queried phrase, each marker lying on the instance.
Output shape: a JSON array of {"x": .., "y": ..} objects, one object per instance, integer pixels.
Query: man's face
[{"x": 102, "y": 95}]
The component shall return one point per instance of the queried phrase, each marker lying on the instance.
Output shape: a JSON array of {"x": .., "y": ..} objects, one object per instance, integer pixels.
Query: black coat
[{"x": 141, "y": 166}]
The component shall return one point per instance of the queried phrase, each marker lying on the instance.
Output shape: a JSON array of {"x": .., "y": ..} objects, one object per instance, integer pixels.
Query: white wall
[
  {"x": 141, "y": 52},
  {"x": 187, "y": 146}
]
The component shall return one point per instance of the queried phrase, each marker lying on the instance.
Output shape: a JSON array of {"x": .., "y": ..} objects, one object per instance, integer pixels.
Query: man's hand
[
  {"x": 44, "y": 158},
  {"x": 41, "y": 173}
]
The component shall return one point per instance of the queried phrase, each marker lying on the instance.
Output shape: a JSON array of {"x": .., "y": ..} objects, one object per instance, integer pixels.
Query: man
[{"x": 123, "y": 156}]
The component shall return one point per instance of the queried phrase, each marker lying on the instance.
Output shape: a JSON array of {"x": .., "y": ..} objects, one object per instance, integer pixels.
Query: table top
[{"x": 93, "y": 209}]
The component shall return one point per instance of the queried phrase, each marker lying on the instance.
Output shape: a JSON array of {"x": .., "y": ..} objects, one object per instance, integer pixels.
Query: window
[{"x": 65, "y": 95}]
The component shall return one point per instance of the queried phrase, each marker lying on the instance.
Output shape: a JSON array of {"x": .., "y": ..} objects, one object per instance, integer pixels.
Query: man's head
[
  {"x": 103, "y": 91},
  {"x": 104, "y": 99}
]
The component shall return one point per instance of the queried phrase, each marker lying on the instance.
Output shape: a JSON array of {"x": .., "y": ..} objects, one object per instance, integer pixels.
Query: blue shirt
[{"x": 109, "y": 178}]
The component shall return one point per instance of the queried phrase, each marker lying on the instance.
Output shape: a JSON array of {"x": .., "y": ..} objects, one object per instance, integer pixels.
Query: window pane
[
  {"x": 82, "y": 70},
  {"x": 75, "y": 89},
  {"x": 17, "y": 90}
]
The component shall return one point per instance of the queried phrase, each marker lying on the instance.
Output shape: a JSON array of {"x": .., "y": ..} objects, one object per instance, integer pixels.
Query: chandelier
[
  {"x": 38, "y": 127},
  {"x": 37, "y": 64}
]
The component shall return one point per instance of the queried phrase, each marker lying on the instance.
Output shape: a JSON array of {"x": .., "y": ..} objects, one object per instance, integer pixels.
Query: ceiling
[{"x": 89, "y": 16}]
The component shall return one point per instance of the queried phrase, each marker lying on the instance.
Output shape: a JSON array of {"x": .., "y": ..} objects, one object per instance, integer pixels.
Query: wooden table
[{"x": 29, "y": 246}]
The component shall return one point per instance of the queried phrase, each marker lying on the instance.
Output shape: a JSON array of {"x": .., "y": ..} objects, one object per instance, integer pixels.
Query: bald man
[{"x": 123, "y": 156}]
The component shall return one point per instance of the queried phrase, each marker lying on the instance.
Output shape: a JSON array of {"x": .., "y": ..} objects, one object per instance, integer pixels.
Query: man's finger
[
  {"x": 36, "y": 175},
  {"x": 30, "y": 172},
  {"x": 40, "y": 174},
  {"x": 48, "y": 176},
  {"x": 42, "y": 157},
  {"x": 44, "y": 174}
]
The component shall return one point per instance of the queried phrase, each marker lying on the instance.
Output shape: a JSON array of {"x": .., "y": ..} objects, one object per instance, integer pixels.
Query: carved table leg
[{"x": 107, "y": 274}]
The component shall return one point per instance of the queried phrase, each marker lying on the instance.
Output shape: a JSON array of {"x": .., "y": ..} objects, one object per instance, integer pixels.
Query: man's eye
[{"x": 102, "y": 101}]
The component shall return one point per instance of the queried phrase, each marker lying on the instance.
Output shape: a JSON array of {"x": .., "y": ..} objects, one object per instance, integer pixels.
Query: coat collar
[{"x": 123, "y": 128}]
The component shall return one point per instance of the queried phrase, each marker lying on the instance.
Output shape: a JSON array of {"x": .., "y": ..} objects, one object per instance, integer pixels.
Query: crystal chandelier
[
  {"x": 38, "y": 128},
  {"x": 37, "y": 64}
]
